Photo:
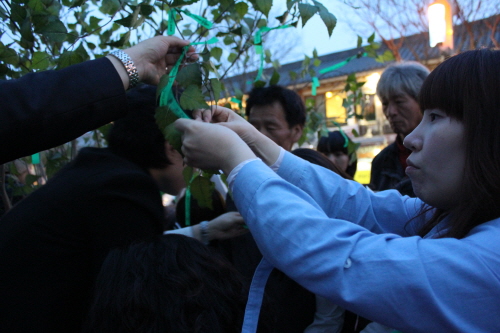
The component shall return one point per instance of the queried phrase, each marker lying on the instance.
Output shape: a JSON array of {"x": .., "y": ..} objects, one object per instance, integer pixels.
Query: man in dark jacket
[
  {"x": 52, "y": 243},
  {"x": 398, "y": 90}
]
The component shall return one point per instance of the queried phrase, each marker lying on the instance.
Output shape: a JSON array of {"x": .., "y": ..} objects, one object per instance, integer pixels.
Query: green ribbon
[
  {"x": 340, "y": 64},
  {"x": 259, "y": 48},
  {"x": 171, "y": 22},
  {"x": 187, "y": 207},
  {"x": 315, "y": 84},
  {"x": 201, "y": 20},
  {"x": 343, "y": 134},
  {"x": 167, "y": 96},
  {"x": 238, "y": 101},
  {"x": 35, "y": 158},
  {"x": 212, "y": 40}
]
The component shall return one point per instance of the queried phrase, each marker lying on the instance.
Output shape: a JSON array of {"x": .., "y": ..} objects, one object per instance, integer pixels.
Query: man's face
[
  {"x": 270, "y": 120},
  {"x": 403, "y": 113}
]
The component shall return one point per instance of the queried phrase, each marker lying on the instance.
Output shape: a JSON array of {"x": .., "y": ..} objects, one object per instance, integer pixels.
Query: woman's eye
[{"x": 432, "y": 116}]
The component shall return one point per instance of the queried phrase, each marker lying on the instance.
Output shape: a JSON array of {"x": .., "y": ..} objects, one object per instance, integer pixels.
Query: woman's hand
[
  {"x": 211, "y": 146},
  {"x": 261, "y": 145}
]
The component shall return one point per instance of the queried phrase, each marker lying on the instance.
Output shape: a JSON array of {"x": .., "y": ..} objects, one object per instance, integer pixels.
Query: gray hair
[{"x": 402, "y": 78}]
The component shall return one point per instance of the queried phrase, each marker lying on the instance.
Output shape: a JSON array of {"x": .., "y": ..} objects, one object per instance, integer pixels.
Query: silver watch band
[{"x": 129, "y": 67}]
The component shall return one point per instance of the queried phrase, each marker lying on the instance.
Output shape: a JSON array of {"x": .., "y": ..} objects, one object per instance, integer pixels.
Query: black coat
[
  {"x": 53, "y": 243},
  {"x": 43, "y": 110},
  {"x": 388, "y": 173}
]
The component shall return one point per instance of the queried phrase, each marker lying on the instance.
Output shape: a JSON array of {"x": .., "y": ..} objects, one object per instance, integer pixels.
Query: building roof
[{"x": 414, "y": 47}]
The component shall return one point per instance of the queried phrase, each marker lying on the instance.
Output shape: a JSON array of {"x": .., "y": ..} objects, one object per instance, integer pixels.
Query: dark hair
[
  {"x": 295, "y": 110},
  {"x": 318, "y": 158},
  {"x": 172, "y": 283},
  {"x": 334, "y": 142},
  {"x": 136, "y": 136},
  {"x": 467, "y": 88}
]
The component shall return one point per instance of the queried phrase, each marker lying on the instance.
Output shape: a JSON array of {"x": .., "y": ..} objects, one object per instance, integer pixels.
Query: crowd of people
[{"x": 296, "y": 245}]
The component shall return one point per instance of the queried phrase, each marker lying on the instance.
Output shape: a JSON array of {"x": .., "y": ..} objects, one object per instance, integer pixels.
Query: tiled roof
[{"x": 414, "y": 47}]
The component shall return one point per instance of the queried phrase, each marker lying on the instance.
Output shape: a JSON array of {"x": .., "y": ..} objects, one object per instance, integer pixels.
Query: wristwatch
[{"x": 129, "y": 67}]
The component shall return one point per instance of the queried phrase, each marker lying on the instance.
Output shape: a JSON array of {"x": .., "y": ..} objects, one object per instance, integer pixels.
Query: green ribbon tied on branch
[
  {"x": 35, "y": 158},
  {"x": 315, "y": 82},
  {"x": 259, "y": 49},
  {"x": 171, "y": 20}
]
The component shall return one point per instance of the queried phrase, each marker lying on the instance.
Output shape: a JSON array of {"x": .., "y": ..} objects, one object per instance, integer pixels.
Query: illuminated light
[
  {"x": 370, "y": 87},
  {"x": 329, "y": 94},
  {"x": 440, "y": 24},
  {"x": 437, "y": 24}
]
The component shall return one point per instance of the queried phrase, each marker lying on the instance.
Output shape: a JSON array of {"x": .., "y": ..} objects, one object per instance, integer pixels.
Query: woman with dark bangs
[{"x": 425, "y": 264}]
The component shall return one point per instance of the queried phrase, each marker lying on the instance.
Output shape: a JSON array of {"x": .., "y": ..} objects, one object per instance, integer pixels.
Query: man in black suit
[
  {"x": 46, "y": 109},
  {"x": 52, "y": 243}
]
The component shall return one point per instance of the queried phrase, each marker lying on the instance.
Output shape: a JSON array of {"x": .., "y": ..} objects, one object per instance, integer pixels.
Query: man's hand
[
  {"x": 154, "y": 55},
  {"x": 226, "y": 226}
]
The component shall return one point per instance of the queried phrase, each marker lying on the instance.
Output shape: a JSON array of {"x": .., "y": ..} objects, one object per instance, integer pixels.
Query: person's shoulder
[
  {"x": 386, "y": 152},
  {"x": 96, "y": 167}
]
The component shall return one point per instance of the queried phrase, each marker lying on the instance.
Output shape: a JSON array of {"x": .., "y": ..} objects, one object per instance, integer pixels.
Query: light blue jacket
[{"x": 344, "y": 242}]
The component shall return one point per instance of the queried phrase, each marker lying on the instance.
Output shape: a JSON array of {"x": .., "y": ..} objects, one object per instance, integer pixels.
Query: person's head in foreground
[
  {"x": 455, "y": 161},
  {"x": 172, "y": 283}
]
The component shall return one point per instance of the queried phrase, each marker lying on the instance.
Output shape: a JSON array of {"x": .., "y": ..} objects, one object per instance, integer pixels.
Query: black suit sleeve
[{"x": 46, "y": 109}]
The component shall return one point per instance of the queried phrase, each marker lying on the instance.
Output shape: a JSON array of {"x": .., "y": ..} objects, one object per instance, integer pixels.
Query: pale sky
[{"x": 315, "y": 34}]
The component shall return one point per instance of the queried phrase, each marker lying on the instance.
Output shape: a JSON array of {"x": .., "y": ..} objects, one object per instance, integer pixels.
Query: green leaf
[
  {"x": 8, "y": 55},
  {"x": 36, "y": 6},
  {"x": 315, "y": 53},
  {"x": 306, "y": 12},
  {"x": 371, "y": 38},
  {"x": 290, "y": 3},
  {"x": 232, "y": 57},
  {"x": 293, "y": 75},
  {"x": 181, "y": 3},
  {"x": 216, "y": 88},
  {"x": 317, "y": 62},
  {"x": 174, "y": 137},
  {"x": 41, "y": 60},
  {"x": 190, "y": 75},
  {"x": 192, "y": 98},
  {"x": 201, "y": 190},
  {"x": 328, "y": 18},
  {"x": 216, "y": 52},
  {"x": 274, "y": 78},
  {"x": 55, "y": 31},
  {"x": 360, "y": 41},
  {"x": 146, "y": 10},
  {"x": 264, "y": 6},
  {"x": 69, "y": 58},
  {"x": 110, "y": 7},
  {"x": 164, "y": 117},
  {"x": 282, "y": 18},
  {"x": 187, "y": 174},
  {"x": 18, "y": 13},
  {"x": 241, "y": 8},
  {"x": 259, "y": 84},
  {"x": 127, "y": 21}
]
